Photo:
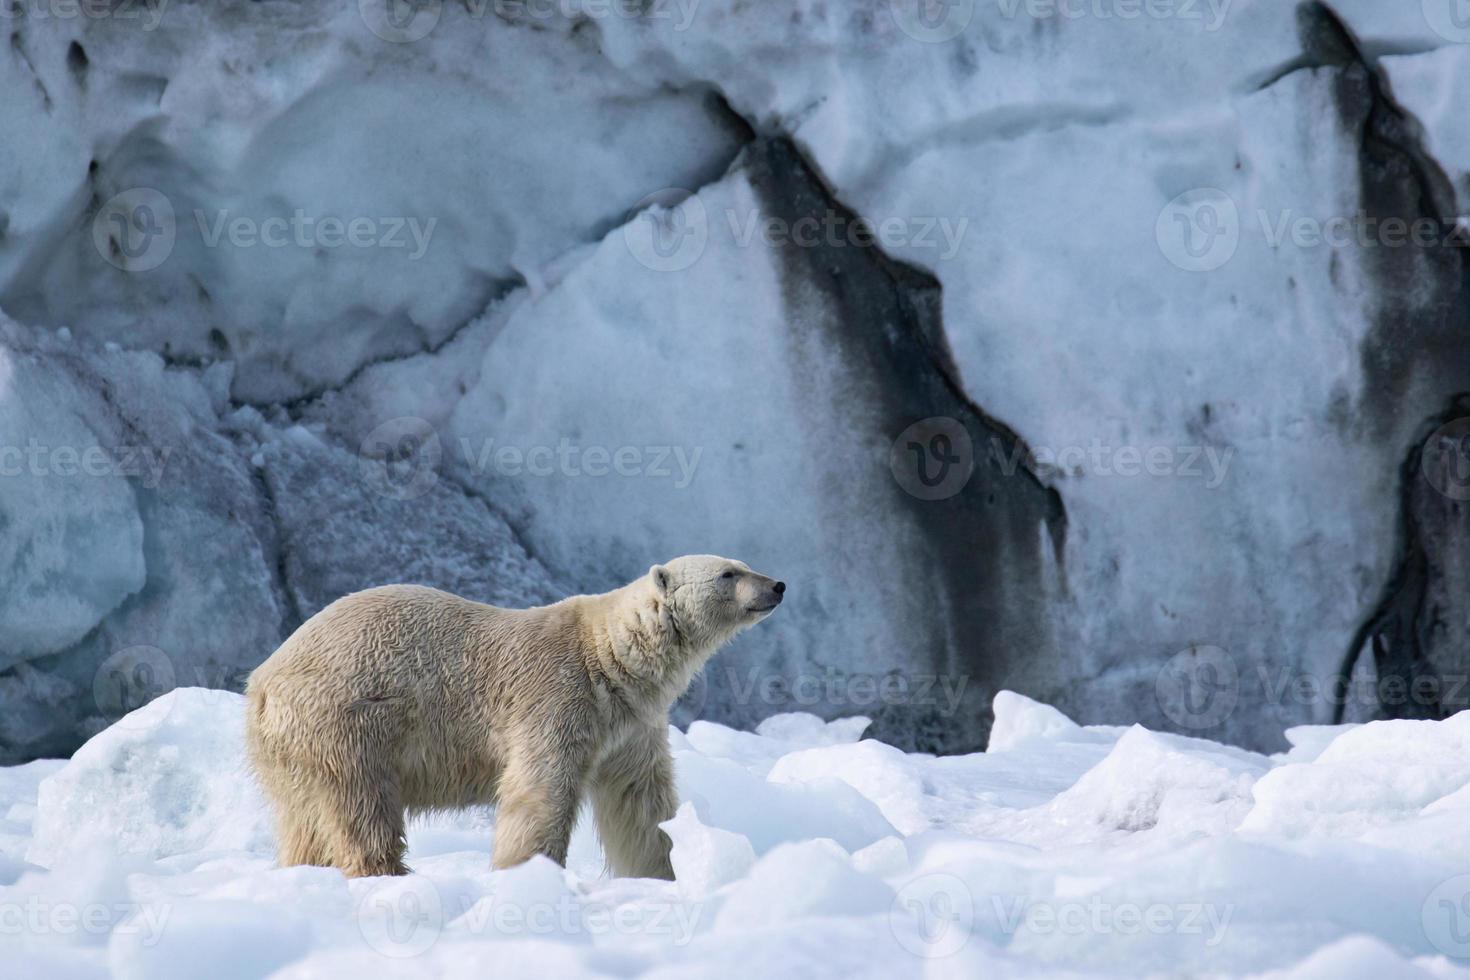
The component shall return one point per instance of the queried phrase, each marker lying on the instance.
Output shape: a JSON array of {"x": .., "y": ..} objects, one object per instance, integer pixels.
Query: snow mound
[
  {"x": 169, "y": 778},
  {"x": 728, "y": 796},
  {"x": 880, "y": 772},
  {"x": 1380, "y": 773},
  {"x": 1018, "y": 718},
  {"x": 705, "y": 858},
  {"x": 796, "y": 880},
  {"x": 1155, "y": 781},
  {"x": 1076, "y": 851},
  {"x": 772, "y": 738}
]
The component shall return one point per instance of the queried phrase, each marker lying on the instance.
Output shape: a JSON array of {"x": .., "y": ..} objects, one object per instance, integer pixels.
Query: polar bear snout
[{"x": 769, "y": 598}]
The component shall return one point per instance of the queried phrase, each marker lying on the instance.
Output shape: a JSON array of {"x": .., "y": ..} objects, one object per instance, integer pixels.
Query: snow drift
[{"x": 798, "y": 850}]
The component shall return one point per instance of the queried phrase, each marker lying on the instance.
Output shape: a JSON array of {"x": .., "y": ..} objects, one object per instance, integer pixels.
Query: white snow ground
[{"x": 799, "y": 851}]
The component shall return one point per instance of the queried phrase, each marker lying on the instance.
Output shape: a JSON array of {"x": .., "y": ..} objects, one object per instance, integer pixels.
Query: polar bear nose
[{"x": 780, "y": 588}]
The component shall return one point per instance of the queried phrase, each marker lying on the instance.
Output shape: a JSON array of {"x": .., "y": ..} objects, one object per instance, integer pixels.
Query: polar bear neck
[{"x": 635, "y": 633}]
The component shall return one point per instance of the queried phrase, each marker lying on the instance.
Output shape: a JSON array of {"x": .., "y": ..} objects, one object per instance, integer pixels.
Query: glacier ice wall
[{"x": 1074, "y": 354}]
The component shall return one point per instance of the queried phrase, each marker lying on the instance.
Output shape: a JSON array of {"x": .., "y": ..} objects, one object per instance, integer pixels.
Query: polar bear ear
[{"x": 660, "y": 576}]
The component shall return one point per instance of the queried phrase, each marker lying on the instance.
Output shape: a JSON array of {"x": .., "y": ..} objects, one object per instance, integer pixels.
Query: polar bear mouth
[{"x": 764, "y": 609}]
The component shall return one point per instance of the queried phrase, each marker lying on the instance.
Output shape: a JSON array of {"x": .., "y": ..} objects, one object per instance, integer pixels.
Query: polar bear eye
[{"x": 728, "y": 575}]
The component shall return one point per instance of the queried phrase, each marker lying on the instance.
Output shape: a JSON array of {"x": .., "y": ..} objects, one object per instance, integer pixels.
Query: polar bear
[{"x": 404, "y": 697}]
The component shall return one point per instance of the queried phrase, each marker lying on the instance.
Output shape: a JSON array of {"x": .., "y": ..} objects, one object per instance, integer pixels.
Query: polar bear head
[
  {"x": 672, "y": 620},
  {"x": 710, "y": 598}
]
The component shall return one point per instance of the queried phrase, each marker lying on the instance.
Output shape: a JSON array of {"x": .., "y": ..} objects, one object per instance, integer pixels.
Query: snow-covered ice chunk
[
  {"x": 1152, "y": 780},
  {"x": 705, "y": 858},
  {"x": 800, "y": 728},
  {"x": 811, "y": 878},
  {"x": 880, "y": 772},
  {"x": 1018, "y": 719},
  {"x": 18, "y": 788},
  {"x": 169, "y": 778},
  {"x": 772, "y": 738},
  {"x": 1308, "y": 741},
  {"x": 1375, "y": 774},
  {"x": 727, "y": 796},
  {"x": 882, "y": 859},
  {"x": 524, "y": 899}
]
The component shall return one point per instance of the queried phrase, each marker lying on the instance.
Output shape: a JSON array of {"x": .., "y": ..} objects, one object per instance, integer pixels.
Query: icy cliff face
[
  {"x": 467, "y": 163},
  {"x": 1070, "y": 353}
]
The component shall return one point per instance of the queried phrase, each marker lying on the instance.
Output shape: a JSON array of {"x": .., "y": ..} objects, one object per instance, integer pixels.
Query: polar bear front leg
[
  {"x": 536, "y": 810},
  {"x": 632, "y": 793}
]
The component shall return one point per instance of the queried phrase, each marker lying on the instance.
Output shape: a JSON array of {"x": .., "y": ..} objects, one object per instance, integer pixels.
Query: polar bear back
[{"x": 448, "y": 682}]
